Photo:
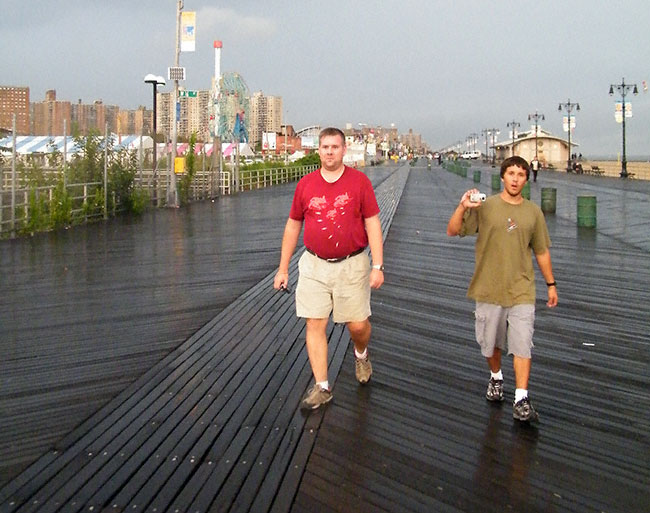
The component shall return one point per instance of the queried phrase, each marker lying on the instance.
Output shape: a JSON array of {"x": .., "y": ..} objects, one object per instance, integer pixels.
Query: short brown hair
[
  {"x": 515, "y": 161},
  {"x": 329, "y": 131}
]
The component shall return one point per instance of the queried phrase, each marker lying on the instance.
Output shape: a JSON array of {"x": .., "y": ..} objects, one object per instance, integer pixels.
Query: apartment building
[
  {"x": 265, "y": 116},
  {"x": 137, "y": 121},
  {"x": 94, "y": 117},
  {"x": 14, "y": 100},
  {"x": 194, "y": 115},
  {"x": 49, "y": 116}
]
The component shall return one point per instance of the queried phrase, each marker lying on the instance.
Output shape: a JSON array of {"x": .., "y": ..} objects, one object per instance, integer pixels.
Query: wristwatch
[{"x": 379, "y": 267}]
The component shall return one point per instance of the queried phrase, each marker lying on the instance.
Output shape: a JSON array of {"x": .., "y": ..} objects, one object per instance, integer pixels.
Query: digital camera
[{"x": 475, "y": 197}]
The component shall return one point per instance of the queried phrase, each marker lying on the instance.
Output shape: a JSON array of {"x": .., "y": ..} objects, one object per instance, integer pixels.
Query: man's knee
[
  {"x": 316, "y": 324},
  {"x": 358, "y": 329}
]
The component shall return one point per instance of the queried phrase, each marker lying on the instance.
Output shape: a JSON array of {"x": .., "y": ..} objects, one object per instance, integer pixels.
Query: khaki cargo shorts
[
  {"x": 340, "y": 288},
  {"x": 496, "y": 325}
]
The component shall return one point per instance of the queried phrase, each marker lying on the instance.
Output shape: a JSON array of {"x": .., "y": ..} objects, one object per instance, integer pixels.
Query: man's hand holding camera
[{"x": 472, "y": 199}]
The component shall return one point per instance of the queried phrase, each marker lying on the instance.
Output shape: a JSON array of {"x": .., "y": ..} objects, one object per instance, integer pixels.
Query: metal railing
[{"x": 16, "y": 205}]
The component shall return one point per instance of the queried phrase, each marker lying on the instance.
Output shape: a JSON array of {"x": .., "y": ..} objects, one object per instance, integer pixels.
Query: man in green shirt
[{"x": 509, "y": 230}]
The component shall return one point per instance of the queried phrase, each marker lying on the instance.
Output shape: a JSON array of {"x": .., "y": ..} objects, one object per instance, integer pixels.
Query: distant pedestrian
[
  {"x": 339, "y": 210},
  {"x": 509, "y": 229},
  {"x": 534, "y": 165}
]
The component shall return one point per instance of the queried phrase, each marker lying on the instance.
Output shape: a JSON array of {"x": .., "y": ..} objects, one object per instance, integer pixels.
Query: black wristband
[{"x": 552, "y": 284}]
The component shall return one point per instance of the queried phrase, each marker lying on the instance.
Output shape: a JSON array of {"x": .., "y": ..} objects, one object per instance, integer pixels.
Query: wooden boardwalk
[{"x": 214, "y": 425}]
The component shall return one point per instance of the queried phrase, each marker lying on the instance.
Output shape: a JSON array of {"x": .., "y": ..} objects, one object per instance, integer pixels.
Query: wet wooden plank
[
  {"x": 422, "y": 435},
  {"x": 208, "y": 402}
]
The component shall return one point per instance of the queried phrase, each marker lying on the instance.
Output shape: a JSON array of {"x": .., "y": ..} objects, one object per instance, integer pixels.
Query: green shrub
[
  {"x": 38, "y": 218},
  {"x": 138, "y": 201},
  {"x": 60, "y": 207}
]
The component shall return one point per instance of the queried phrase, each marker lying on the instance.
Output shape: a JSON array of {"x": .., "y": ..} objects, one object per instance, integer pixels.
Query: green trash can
[
  {"x": 477, "y": 176},
  {"x": 549, "y": 199},
  {"x": 496, "y": 182},
  {"x": 587, "y": 211},
  {"x": 525, "y": 192}
]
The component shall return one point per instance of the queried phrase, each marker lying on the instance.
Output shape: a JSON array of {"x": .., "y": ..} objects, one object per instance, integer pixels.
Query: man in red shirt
[{"x": 338, "y": 207}]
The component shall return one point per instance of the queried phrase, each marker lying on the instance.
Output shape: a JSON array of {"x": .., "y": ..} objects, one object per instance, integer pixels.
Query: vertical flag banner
[
  {"x": 565, "y": 123},
  {"x": 618, "y": 113},
  {"x": 188, "y": 31}
]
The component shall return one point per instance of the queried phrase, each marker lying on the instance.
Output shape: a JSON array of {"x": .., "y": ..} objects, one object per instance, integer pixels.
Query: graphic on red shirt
[
  {"x": 334, "y": 213},
  {"x": 319, "y": 205}
]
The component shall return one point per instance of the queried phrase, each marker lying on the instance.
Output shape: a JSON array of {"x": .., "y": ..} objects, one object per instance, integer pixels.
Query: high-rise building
[
  {"x": 94, "y": 117},
  {"x": 194, "y": 116},
  {"x": 138, "y": 121},
  {"x": 14, "y": 100},
  {"x": 265, "y": 116},
  {"x": 49, "y": 116}
]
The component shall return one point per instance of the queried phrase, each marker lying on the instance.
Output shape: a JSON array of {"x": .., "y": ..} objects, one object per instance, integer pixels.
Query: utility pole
[
  {"x": 568, "y": 106},
  {"x": 172, "y": 193}
]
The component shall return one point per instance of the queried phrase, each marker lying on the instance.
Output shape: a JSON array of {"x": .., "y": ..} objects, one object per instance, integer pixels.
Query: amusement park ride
[{"x": 229, "y": 103}]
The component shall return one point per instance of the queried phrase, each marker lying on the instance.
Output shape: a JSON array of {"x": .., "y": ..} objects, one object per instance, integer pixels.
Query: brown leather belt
[{"x": 334, "y": 260}]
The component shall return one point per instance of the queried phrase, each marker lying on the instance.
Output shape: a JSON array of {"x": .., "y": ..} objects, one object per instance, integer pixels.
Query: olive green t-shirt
[{"x": 503, "y": 272}]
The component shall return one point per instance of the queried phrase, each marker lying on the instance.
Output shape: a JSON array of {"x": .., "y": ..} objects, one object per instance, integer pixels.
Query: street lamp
[
  {"x": 155, "y": 81},
  {"x": 474, "y": 139},
  {"x": 568, "y": 106},
  {"x": 514, "y": 124},
  {"x": 623, "y": 88},
  {"x": 491, "y": 134},
  {"x": 536, "y": 117}
]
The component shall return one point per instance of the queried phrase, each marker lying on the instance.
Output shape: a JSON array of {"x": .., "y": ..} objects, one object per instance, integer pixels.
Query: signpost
[{"x": 187, "y": 94}]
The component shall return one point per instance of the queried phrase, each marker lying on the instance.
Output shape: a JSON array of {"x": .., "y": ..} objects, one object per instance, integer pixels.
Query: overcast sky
[{"x": 443, "y": 68}]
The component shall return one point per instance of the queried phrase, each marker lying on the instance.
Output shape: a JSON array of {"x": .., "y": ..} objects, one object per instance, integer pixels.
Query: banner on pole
[
  {"x": 618, "y": 113},
  {"x": 188, "y": 31},
  {"x": 565, "y": 123}
]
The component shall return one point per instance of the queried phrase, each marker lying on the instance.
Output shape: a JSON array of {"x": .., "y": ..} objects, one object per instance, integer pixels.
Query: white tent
[{"x": 44, "y": 144}]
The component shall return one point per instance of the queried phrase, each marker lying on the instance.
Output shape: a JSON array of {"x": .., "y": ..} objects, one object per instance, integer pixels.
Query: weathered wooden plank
[{"x": 426, "y": 411}]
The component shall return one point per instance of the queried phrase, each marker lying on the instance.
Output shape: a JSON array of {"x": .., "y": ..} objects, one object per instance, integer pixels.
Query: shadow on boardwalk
[{"x": 90, "y": 311}]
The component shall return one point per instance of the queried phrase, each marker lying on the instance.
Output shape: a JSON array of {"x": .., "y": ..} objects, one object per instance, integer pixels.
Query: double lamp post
[{"x": 623, "y": 89}]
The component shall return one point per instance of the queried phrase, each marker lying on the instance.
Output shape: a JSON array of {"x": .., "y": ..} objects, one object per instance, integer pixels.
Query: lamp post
[
  {"x": 568, "y": 106},
  {"x": 491, "y": 134},
  {"x": 514, "y": 124},
  {"x": 623, "y": 88},
  {"x": 155, "y": 81},
  {"x": 536, "y": 117},
  {"x": 486, "y": 132}
]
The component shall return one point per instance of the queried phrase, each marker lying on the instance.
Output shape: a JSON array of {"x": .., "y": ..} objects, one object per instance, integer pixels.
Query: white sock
[
  {"x": 520, "y": 393},
  {"x": 325, "y": 385},
  {"x": 361, "y": 356},
  {"x": 497, "y": 375}
]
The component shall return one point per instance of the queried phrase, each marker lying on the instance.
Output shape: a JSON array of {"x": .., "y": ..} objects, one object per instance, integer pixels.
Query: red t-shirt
[{"x": 334, "y": 213}]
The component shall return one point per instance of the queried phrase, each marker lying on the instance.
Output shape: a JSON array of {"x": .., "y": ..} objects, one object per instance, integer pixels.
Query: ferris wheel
[{"x": 231, "y": 108}]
